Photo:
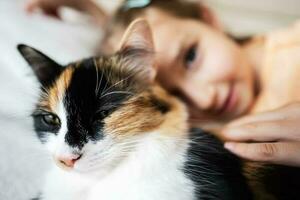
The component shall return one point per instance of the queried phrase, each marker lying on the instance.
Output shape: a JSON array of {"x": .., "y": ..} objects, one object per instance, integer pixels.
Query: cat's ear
[
  {"x": 45, "y": 69},
  {"x": 138, "y": 47}
]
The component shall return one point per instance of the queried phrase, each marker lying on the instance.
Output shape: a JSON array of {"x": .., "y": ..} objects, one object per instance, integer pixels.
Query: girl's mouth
[{"x": 230, "y": 101}]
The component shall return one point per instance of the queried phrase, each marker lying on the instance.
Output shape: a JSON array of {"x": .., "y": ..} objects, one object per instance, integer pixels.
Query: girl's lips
[{"x": 230, "y": 102}]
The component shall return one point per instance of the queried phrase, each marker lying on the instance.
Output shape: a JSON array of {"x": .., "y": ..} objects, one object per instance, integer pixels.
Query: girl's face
[{"x": 203, "y": 66}]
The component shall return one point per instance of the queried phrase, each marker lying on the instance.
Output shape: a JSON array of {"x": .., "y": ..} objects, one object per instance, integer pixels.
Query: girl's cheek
[
  {"x": 221, "y": 60},
  {"x": 225, "y": 67}
]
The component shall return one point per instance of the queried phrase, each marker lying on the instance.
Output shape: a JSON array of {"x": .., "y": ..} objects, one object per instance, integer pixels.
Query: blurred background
[
  {"x": 243, "y": 18},
  {"x": 22, "y": 164}
]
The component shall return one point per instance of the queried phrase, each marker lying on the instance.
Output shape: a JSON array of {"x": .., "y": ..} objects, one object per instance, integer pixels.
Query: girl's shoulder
[{"x": 275, "y": 57}]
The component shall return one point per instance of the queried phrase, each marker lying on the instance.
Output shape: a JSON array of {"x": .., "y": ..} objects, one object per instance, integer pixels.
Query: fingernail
[{"x": 229, "y": 145}]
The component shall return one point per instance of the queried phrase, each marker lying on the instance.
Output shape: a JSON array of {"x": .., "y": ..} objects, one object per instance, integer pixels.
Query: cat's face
[{"x": 93, "y": 113}]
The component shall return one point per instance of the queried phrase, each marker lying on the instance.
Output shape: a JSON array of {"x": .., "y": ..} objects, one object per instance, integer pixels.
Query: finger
[
  {"x": 266, "y": 131},
  {"x": 291, "y": 111},
  {"x": 52, "y": 13},
  {"x": 284, "y": 153},
  {"x": 267, "y": 116},
  {"x": 32, "y": 5},
  {"x": 46, "y": 8},
  {"x": 258, "y": 131}
]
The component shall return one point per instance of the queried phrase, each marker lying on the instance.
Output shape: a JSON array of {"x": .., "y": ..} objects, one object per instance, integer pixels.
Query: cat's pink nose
[{"x": 67, "y": 162}]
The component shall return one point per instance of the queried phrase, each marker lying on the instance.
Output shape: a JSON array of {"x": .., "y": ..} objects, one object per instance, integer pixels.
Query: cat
[{"x": 115, "y": 134}]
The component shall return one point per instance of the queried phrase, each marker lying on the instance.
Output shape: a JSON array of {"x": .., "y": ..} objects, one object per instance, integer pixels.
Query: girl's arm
[{"x": 50, "y": 7}]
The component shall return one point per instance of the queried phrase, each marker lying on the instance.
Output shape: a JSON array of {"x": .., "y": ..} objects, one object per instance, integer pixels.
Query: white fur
[
  {"x": 56, "y": 145},
  {"x": 150, "y": 171}
]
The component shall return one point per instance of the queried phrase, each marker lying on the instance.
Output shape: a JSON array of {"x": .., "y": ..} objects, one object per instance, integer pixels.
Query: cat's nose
[{"x": 67, "y": 162}]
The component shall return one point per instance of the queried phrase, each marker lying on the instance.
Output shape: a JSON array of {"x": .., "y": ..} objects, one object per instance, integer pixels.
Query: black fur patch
[
  {"x": 86, "y": 100},
  {"x": 215, "y": 172},
  {"x": 281, "y": 182},
  {"x": 45, "y": 69}
]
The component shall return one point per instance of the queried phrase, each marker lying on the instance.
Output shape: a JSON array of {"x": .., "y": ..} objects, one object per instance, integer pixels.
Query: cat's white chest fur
[
  {"x": 170, "y": 185},
  {"x": 153, "y": 171}
]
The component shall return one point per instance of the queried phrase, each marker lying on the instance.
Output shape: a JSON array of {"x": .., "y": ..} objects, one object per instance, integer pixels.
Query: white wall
[{"x": 244, "y": 17}]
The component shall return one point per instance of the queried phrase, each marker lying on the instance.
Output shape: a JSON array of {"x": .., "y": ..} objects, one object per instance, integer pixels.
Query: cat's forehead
[{"x": 87, "y": 81}]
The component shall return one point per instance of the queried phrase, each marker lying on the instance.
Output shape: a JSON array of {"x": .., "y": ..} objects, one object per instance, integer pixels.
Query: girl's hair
[
  {"x": 126, "y": 13},
  {"x": 180, "y": 8}
]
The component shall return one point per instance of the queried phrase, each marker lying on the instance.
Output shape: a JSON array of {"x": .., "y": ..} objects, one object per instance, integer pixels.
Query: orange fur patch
[
  {"x": 55, "y": 93},
  {"x": 139, "y": 115}
]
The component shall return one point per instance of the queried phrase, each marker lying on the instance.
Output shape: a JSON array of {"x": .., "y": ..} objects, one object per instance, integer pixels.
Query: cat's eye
[
  {"x": 51, "y": 120},
  {"x": 46, "y": 122},
  {"x": 190, "y": 56},
  {"x": 102, "y": 114}
]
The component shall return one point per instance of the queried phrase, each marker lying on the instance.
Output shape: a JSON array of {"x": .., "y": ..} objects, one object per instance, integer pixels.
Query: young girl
[{"x": 219, "y": 79}]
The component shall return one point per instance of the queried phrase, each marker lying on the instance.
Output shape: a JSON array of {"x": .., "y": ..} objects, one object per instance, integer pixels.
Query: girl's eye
[
  {"x": 51, "y": 120},
  {"x": 190, "y": 57}
]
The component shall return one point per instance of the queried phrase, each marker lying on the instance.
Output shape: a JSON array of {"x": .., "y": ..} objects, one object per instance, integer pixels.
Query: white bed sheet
[{"x": 22, "y": 161}]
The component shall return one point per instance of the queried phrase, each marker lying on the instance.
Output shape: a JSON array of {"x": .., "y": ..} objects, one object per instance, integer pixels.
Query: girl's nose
[{"x": 202, "y": 97}]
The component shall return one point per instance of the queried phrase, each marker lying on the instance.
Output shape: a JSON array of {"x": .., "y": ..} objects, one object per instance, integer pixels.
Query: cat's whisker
[
  {"x": 119, "y": 82},
  {"x": 97, "y": 77},
  {"x": 116, "y": 92},
  {"x": 123, "y": 149},
  {"x": 104, "y": 88}
]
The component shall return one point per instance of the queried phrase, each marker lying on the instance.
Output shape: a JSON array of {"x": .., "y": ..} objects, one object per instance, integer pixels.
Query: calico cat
[{"x": 116, "y": 135}]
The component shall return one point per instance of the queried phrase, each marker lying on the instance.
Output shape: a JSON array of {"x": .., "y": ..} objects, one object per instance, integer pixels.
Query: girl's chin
[{"x": 236, "y": 108}]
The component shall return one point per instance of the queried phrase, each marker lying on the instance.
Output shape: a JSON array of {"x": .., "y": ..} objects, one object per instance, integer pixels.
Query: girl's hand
[
  {"x": 50, "y": 7},
  {"x": 272, "y": 137}
]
